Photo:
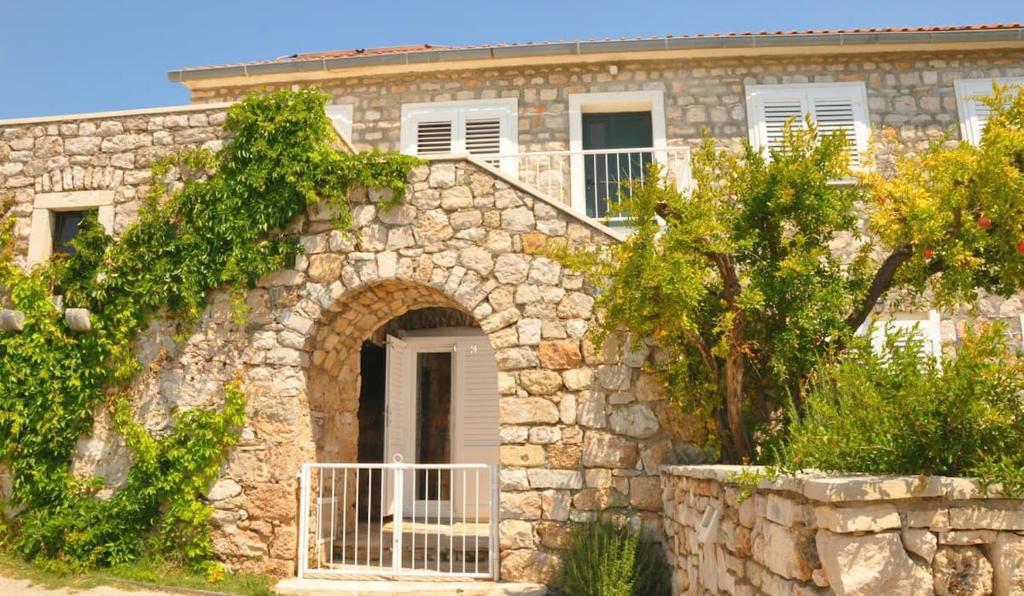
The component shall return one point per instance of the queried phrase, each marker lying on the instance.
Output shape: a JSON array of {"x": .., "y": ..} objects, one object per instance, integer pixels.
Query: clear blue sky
[{"x": 88, "y": 55}]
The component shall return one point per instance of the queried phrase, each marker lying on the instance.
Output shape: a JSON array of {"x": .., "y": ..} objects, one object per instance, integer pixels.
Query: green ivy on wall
[{"x": 224, "y": 228}]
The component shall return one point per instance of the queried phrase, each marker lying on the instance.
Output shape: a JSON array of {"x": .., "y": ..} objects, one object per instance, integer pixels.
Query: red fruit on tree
[
  {"x": 929, "y": 253},
  {"x": 1020, "y": 247},
  {"x": 984, "y": 222}
]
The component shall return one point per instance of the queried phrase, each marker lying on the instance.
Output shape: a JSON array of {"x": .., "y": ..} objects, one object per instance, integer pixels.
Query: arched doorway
[{"x": 404, "y": 405}]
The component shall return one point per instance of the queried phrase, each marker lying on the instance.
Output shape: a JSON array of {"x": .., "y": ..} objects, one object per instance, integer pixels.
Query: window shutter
[
  {"x": 832, "y": 106},
  {"x": 477, "y": 423},
  {"x": 925, "y": 326},
  {"x": 974, "y": 114},
  {"x": 399, "y": 417},
  {"x": 776, "y": 113},
  {"x": 832, "y": 113},
  {"x": 434, "y": 138},
  {"x": 483, "y": 137}
]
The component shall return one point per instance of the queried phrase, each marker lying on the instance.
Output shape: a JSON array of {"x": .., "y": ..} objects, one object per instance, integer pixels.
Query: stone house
[{"x": 437, "y": 333}]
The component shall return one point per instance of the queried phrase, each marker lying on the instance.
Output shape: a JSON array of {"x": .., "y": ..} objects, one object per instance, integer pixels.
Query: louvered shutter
[
  {"x": 435, "y": 137},
  {"x": 477, "y": 420},
  {"x": 479, "y": 127},
  {"x": 832, "y": 106},
  {"x": 924, "y": 326},
  {"x": 776, "y": 113},
  {"x": 483, "y": 137},
  {"x": 833, "y": 113},
  {"x": 974, "y": 114},
  {"x": 400, "y": 414}
]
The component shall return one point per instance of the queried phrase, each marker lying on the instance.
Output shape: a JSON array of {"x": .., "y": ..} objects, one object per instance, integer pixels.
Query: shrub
[
  {"x": 887, "y": 412},
  {"x": 608, "y": 559}
]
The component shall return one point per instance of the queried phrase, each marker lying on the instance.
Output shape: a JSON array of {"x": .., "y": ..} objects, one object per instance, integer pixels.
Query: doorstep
[{"x": 307, "y": 587}]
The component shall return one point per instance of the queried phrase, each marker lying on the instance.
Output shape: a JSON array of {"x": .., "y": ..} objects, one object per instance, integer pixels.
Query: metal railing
[
  {"x": 398, "y": 520},
  {"x": 591, "y": 179}
]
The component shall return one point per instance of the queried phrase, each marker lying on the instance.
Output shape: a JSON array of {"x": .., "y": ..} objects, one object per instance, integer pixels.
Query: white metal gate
[{"x": 356, "y": 520}]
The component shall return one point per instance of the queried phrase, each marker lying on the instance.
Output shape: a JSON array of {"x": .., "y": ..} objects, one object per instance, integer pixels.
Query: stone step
[{"x": 310, "y": 587}]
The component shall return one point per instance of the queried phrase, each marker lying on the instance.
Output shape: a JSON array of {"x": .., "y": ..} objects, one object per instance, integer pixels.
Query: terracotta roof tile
[{"x": 406, "y": 49}]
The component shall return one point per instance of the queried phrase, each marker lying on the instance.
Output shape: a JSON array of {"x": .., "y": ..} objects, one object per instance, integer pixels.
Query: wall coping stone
[{"x": 832, "y": 488}]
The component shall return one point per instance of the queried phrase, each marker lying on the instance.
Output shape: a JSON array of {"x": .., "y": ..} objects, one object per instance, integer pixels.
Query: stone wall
[
  {"x": 912, "y": 93},
  {"x": 581, "y": 430},
  {"x": 856, "y": 535}
]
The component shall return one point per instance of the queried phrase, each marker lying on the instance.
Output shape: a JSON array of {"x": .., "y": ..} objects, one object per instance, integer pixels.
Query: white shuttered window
[
  {"x": 833, "y": 106},
  {"x": 925, "y": 326},
  {"x": 973, "y": 113},
  {"x": 484, "y": 128}
]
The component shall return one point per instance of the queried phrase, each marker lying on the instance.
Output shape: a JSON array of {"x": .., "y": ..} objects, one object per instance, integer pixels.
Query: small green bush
[
  {"x": 607, "y": 559},
  {"x": 887, "y": 412}
]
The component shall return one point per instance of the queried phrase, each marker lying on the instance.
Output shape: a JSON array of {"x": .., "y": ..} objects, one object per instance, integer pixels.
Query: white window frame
[
  {"x": 341, "y": 116},
  {"x": 46, "y": 205},
  {"x": 608, "y": 102},
  {"x": 506, "y": 109},
  {"x": 856, "y": 90},
  {"x": 928, "y": 326},
  {"x": 967, "y": 92}
]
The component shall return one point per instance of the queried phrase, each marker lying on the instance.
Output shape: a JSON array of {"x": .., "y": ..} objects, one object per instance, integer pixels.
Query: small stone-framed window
[{"x": 56, "y": 216}]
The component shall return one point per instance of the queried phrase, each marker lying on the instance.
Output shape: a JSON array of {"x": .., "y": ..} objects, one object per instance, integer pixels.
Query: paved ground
[{"x": 19, "y": 587}]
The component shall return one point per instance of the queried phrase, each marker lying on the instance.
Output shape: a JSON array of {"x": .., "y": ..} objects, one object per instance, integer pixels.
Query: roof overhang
[{"x": 583, "y": 52}]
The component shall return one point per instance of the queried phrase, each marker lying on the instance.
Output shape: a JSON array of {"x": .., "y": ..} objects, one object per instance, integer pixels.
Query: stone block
[
  {"x": 527, "y": 410},
  {"x": 786, "y": 552},
  {"x": 962, "y": 571},
  {"x": 920, "y": 542},
  {"x": 986, "y": 517},
  {"x": 560, "y": 354},
  {"x": 603, "y": 450},
  {"x": 870, "y": 565},
  {"x": 1006, "y": 554},
  {"x": 635, "y": 420},
  {"x": 563, "y": 479},
  {"x": 522, "y": 456},
  {"x": 967, "y": 537},
  {"x": 514, "y": 533},
  {"x": 868, "y": 518},
  {"x": 521, "y": 505}
]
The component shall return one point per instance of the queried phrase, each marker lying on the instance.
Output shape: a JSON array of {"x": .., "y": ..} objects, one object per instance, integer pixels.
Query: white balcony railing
[{"x": 590, "y": 179}]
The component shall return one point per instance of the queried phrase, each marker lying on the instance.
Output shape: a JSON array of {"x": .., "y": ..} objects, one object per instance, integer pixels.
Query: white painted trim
[
  {"x": 967, "y": 91},
  {"x": 928, "y": 324},
  {"x": 40, "y": 241},
  {"x": 614, "y": 101},
  {"x": 507, "y": 109},
  {"x": 856, "y": 90},
  {"x": 1021, "y": 319},
  {"x": 193, "y": 107},
  {"x": 341, "y": 117}
]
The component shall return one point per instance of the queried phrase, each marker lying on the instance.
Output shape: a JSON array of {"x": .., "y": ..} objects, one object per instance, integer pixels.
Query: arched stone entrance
[{"x": 581, "y": 429}]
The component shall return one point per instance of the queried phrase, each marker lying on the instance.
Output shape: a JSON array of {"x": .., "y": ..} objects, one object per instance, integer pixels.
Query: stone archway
[
  {"x": 334, "y": 375},
  {"x": 581, "y": 429}
]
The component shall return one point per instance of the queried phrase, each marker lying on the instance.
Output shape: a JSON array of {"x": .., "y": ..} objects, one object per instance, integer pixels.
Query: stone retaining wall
[{"x": 869, "y": 535}]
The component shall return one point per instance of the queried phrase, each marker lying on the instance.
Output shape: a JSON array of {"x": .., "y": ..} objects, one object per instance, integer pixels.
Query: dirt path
[{"x": 19, "y": 587}]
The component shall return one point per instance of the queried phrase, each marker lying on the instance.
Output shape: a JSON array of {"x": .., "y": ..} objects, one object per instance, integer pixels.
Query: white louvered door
[
  {"x": 400, "y": 414},
  {"x": 476, "y": 424}
]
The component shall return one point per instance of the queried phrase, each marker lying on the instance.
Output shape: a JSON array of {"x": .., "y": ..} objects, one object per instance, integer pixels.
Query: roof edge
[{"x": 751, "y": 42}]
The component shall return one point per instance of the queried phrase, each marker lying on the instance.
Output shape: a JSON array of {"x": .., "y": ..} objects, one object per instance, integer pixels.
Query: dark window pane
[
  {"x": 433, "y": 422},
  {"x": 65, "y": 228}
]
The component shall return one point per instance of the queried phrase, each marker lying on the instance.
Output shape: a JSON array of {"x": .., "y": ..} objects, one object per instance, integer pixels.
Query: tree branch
[{"x": 879, "y": 285}]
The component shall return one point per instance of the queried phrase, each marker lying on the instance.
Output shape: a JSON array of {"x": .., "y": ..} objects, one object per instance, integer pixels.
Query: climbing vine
[{"x": 225, "y": 226}]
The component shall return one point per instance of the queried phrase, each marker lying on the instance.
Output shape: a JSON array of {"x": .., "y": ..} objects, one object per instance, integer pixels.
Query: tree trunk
[{"x": 734, "y": 369}]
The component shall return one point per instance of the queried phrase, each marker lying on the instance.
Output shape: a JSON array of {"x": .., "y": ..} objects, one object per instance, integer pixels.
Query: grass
[{"x": 151, "y": 575}]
